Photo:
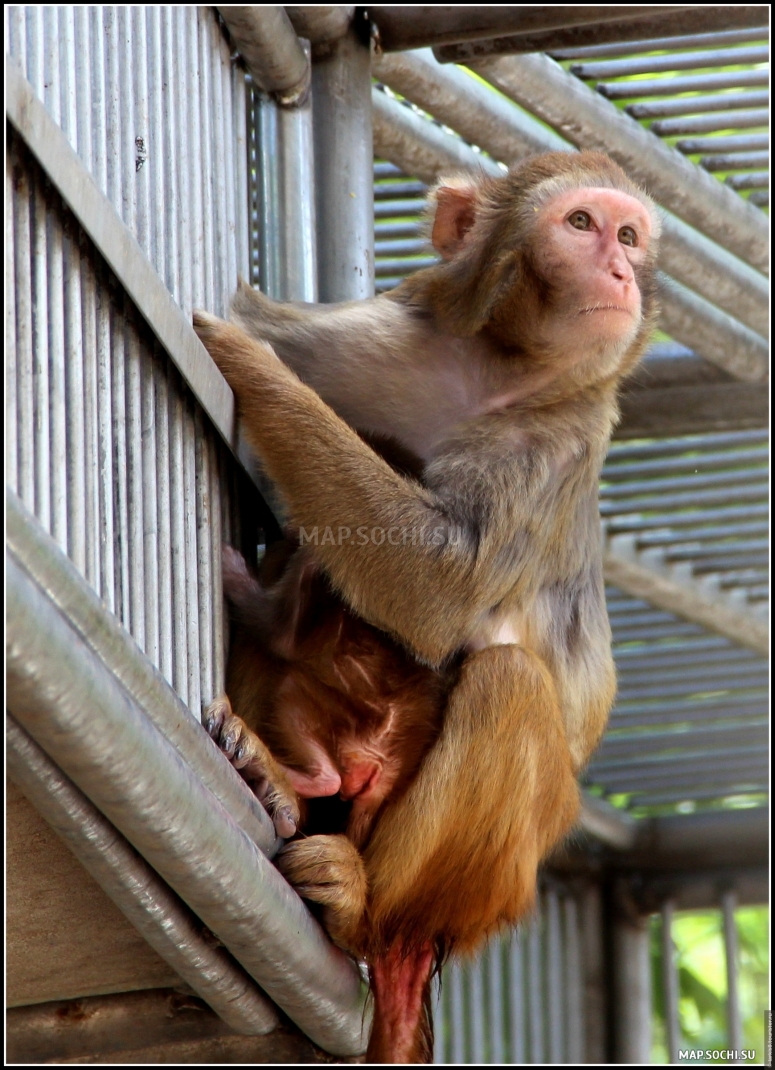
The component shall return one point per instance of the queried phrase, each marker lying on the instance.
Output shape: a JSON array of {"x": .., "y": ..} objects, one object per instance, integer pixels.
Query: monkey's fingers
[
  {"x": 252, "y": 758},
  {"x": 231, "y": 349},
  {"x": 330, "y": 871}
]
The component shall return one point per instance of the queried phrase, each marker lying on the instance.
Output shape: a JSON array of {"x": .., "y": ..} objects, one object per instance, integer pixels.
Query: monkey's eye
[
  {"x": 627, "y": 236},
  {"x": 580, "y": 220}
]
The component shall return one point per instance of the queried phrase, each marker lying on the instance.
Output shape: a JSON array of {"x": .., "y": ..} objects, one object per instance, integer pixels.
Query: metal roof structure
[{"x": 689, "y": 729}]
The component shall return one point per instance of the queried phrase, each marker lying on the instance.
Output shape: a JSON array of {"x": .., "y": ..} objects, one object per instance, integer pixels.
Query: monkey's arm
[{"x": 423, "y": 563}]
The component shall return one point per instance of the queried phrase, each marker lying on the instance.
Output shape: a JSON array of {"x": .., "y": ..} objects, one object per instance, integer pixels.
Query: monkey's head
[{"x": 555, "y": 260}]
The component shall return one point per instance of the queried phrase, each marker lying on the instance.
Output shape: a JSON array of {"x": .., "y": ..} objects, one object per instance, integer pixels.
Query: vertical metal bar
[
  {"x": 216, "y": 543},
  {"x": 223, "y": 163},
  {"x": 574, "y": 1023},
  {"x": 495, "y": 999},
  {"x": 91, "y": 511},
  {"x": 192, "y": 593},
  {"x": 632, "y": 990},
  {"x": 200, "y": 118},
  {"x": 107, "y": 512},
  {"x": 22, "y": 284},
  {"x": 341, "y": 88},
  {"x": 734, "y": 1020},
  {"x": 534, "y": 989},
  {"x": 178, "y": 536},
  {"x": 125, "y": 147},
  {"x": 139, "y": 131},
  {"x": 98, "y": 97},
  {"x": 516, "y": 998},
  {"x": 237, "y": 185},
  {"x": 135, "y": 501},
  {"x": 457, "y": 1013},
  {"x": 11, "y": 400},
  {"x": 594, "y": 1009},
  {"x": 82, "y": 84},
  {"x": 439, "y": 1018},
  {"x": 54, "y": 297},
  {"x": 16, "y": 35},
  {"x": 168, "y": 67},
  {"x": 150, "y": 504},
  {"x": 51, "y": 79},
  {"x": 113, "y": 173},
  {"x": 121, "y": 529},
  {"x": 67, "y": 98},
  {"x": 477, "y": 1010},
  {"x": 75, "y": 453},
  {"x": 156, "y": 164},
  {"x": 555, "y": 1011},
  {"x": 40, "y": 358},
  {"x": 205, "y": 591},
  {"x": 36, "y": 76},
  {"x": 188, "y": 249},
  {"x": 670, "y": 981},
  {"x": 164, "y": 521}
]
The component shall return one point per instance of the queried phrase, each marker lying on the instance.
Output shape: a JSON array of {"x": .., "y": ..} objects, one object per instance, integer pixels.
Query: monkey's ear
[{"x": 454, "y": 217}]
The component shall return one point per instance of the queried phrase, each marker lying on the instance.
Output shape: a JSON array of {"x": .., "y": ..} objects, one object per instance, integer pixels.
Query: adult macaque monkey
[{"x": 497, "y": 367}]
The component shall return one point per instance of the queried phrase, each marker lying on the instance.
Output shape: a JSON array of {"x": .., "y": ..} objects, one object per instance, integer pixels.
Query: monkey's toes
[{"x": 330, "y": 871}]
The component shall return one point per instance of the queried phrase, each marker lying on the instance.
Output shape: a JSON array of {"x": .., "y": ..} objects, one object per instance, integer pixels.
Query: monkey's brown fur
[{"x": 485, "y": 367}]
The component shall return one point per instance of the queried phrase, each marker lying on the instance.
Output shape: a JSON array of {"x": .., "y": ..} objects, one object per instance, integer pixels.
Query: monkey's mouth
[{"x": 601, "y": 307}]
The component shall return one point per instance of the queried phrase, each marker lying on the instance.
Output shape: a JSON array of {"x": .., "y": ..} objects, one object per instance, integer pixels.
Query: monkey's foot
[
  {"x": 258, "y": 767},
  {"x": 329, "y": 870}
]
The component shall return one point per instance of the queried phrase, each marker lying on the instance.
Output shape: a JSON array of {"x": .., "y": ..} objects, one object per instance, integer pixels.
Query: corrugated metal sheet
[
  {"x": 707, "y": 94},
  {"x": 102, "y": 434}
]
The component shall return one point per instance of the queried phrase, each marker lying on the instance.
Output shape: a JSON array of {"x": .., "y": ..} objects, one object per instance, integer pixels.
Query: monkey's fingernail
[{"x": 284, "y": 823}]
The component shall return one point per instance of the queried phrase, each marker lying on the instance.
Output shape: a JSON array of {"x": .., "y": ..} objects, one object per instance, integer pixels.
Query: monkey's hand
[
  {"x": 329, "y": 870},
  {"x": 219, "y": 338},
  {"x": 252, "y": 758}
]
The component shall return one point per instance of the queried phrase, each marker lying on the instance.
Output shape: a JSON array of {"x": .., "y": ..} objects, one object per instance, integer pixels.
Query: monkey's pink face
[{"x": 591, "y": 242}]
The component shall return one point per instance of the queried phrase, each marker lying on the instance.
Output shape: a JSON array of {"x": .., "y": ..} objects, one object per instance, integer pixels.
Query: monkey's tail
[{"x": 402, "y": 986}]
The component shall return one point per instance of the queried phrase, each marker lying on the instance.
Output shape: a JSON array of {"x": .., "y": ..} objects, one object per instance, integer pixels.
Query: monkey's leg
[
  {"x": 457, "y": 855},
  {"x": 329, "y": 870},
  {"x": 252, "y": 758}
]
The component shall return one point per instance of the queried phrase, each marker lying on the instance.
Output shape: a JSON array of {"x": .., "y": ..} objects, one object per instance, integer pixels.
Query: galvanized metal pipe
[
  {"x": 341, "y": 101},
  {"x": 572, "y": 974},
  {"x": 494, "y": 963},
  {"x": 58, "y": 691},
  {"x": 476, "y": 1009},
  {"x": 715, "y": 334},
  {"x": 145, "y": 900},
  {"x": 723, "y": 38},
  {"x": 286, "y": 226},
  {"x": 590, "y": 122},
  {"x": 516, "y": 998},
  {"x": 403, "y": 27},
  {"x": 321, "y": 25},
  {"x": 632, "y": 991},
  {"x": 457, "y": 1053},
  {"x": 555, "y": 1008},
  {"x": 734, "y": 1018},
  {"x": 689, "y": 83},
  {"x": 670, "y": 988},
  {"x": 535, "y": 1002},
  {"x": 268, "y": 43},
  {"x": 38, "y": 555},
  {"x": 623, "y": 33}
]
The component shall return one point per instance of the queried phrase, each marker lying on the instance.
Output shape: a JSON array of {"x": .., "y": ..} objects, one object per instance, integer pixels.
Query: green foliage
[{"x": 701, "y": 962}]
